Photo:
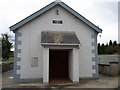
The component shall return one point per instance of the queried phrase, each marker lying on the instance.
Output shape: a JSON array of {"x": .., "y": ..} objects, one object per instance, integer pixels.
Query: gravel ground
[{"x": 103, "y": 82}]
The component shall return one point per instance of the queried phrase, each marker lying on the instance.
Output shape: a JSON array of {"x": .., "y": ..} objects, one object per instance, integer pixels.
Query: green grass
[{"x": 10, "y": 60}]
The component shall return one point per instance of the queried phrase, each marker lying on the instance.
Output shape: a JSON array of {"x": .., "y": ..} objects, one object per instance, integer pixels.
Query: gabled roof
[
  {"x": 50, "y": 6},
  {"x": 59, "y": 38}
]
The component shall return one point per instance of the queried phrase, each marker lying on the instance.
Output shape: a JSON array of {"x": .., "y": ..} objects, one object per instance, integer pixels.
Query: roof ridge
[{"x": 57, "y": 1}]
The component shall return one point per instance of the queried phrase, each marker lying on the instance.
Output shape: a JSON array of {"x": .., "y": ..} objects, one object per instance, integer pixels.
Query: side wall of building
[{"x": 30, "y": 65}]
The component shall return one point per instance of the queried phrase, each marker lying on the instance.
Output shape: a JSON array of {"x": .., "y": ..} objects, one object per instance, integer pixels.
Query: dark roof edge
[
  {"x": 57, "y": 44},
  {"x": 51, "y": 5}
]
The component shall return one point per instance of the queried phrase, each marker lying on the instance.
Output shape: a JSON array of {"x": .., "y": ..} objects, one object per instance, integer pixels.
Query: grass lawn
[{"x": 10, "y": 60}]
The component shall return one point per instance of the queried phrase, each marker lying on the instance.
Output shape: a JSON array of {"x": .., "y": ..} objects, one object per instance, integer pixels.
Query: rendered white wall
[
  {"x": 31, "y": 38},
  {"x": 75, "y": 65},
  {"x": 46, "y": 65}
]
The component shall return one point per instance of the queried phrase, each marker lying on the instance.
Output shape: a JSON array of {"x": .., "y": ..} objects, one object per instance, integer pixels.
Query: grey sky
[{"x": 103, "y": 13}]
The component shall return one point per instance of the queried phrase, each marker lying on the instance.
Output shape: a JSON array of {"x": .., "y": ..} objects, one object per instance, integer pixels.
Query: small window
[
  {"x": 57, "y": 21},
  {"x": 34, "y": 62}
]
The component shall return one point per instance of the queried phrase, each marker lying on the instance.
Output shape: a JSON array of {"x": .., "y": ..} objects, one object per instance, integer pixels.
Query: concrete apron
[{"x": 102, "y": 82}]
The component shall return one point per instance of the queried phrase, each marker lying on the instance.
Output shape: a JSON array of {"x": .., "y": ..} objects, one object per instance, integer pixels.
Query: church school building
[{"x": 55, "y": 42}]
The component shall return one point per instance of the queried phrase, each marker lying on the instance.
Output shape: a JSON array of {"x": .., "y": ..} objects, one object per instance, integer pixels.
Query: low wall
[
  {"x": 109, "y": 69},
  {"x": 6, "y": 67},
  {"x": 106, "y": 59}
]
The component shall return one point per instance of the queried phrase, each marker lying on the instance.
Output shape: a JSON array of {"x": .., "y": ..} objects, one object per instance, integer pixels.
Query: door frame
[
  {"x": 73, "y": 71},
  {"x": 56, "y": 63}
]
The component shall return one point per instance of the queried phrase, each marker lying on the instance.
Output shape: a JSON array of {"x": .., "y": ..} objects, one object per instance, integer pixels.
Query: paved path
[{"x": 103, "y": 82}]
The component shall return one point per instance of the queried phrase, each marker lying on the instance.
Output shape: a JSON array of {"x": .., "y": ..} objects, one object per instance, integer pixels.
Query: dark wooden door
[{"x": 58, "y": 64}]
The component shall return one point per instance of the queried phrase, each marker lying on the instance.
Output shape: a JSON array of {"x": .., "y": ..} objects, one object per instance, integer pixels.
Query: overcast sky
[{"x": 103, "y": 13}]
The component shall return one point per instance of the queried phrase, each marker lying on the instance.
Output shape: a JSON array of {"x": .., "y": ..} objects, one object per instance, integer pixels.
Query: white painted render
[
  {"x": 45, "y": 65},
  {"x": 31, "y": 43},
  {"x": 75, "y": 65}
]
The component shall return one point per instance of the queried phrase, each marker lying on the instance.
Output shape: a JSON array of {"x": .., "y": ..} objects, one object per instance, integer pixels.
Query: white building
[
  {"x": 55, "y": 42},
  {"x": 0, "y": 48}
]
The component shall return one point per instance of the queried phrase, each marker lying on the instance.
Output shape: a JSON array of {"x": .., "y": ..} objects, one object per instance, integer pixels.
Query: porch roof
[{"x": 59, "y": 38}]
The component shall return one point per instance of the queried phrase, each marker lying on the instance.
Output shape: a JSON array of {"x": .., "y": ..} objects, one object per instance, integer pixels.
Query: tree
[
  {"x": 115, "y": 43},
  {"x": 6, "y": 46},
  {"x": 110, "y": 42},
  {"x": 107, "y": 45},
  {"x": 103, "y": 48},
  {"x": 111, "y": 48},
  {"x": 118, "y": 50},
  {"x": 99, "y": 52}
]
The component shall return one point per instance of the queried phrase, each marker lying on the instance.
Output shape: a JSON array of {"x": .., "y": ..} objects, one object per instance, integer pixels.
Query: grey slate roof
[
  {"x": 54, "y": 37},
  {"x": 50, "y": 6}
]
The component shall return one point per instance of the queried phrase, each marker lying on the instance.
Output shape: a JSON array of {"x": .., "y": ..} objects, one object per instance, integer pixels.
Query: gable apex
[
  {"x": 58, "y": 1},
  {"x": 50, "y": 6}
]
